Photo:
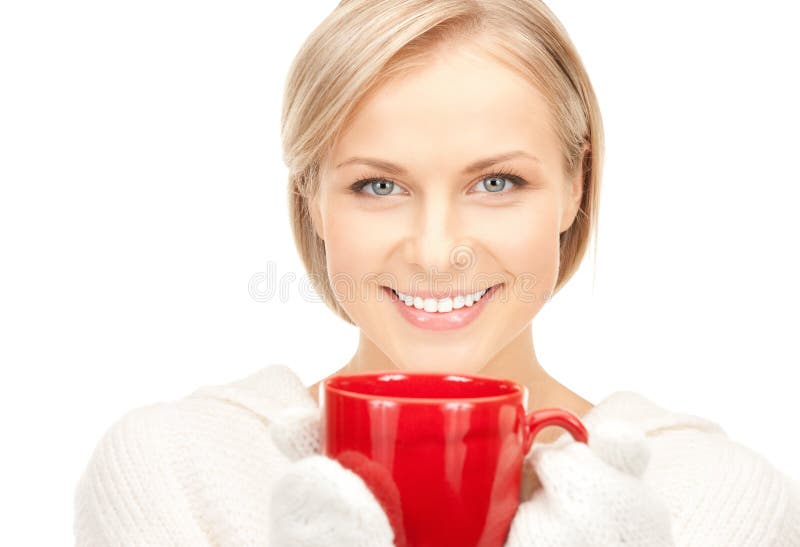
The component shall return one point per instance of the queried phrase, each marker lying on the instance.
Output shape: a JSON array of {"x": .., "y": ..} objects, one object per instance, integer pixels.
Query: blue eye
[
  {"x": 378, "y": 186},
  {"x": 495, "y": 183}
]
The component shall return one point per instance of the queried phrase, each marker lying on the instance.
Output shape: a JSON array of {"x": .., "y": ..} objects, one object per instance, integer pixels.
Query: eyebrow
[{"x": 471, "y": 168}]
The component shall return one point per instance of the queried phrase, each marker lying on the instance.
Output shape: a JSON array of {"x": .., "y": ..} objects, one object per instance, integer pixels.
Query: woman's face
[{"x": 431, "y": 225}]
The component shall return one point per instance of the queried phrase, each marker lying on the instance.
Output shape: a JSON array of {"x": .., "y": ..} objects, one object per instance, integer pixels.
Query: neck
[{"x": 516, "y": 361}]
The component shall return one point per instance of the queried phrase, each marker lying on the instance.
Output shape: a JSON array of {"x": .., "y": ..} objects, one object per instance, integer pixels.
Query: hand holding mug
[
  {"x": 317, "y": 502},
  {"x": 344, "y": 502},
  {"x": 593, "y": 495},
  {"x": 452, "y": 446}
]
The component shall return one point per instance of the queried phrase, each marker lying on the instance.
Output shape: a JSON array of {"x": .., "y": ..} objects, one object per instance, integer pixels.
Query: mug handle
[{"x": 538, "y": 419}]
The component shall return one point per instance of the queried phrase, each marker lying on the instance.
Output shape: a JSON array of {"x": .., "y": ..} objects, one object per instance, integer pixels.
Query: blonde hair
[{"x": 363, "y": 43}]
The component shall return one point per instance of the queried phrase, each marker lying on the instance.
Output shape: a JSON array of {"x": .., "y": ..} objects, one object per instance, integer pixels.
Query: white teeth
[{"x": 441, "y": 305}]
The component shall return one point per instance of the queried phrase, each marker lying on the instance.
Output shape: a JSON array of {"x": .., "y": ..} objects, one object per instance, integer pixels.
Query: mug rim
[{"x": 518, "y": 389}]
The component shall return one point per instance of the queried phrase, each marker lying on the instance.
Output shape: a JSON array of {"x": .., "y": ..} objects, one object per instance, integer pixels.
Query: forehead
[{"x": 460, "y": 101}]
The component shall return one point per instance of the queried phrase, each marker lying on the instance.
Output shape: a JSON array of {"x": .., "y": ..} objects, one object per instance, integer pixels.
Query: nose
[{"x": 436, "y": 243}]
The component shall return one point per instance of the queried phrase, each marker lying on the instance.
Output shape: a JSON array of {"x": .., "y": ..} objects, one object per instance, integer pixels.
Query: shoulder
[
  {"x": 263, "y": 393},
  {"x": 187, "y": 471},
  {"x": 719, "y": 491},
  {"x": 128, "y": 492}
]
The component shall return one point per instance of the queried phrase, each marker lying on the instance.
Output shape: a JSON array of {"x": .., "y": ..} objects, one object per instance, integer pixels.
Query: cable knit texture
[
  {"x": 593, "y": 495},
  {"x": 201, "y": 470}
]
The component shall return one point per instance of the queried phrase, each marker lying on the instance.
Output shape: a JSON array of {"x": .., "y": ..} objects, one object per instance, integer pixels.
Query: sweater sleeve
[
  {"x": 129, "y": 494},
  {"x": 789, "y": 533},
  {"x": 720, "y": 492},
  {"x": 194, "y": 471}
]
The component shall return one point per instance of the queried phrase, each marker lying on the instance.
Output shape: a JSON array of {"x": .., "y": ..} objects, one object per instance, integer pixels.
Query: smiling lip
[{"x": 441, "y": 320}]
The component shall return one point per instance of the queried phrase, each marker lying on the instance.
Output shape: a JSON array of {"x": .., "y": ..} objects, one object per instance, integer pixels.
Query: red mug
[{"x": 441, "y": 452}]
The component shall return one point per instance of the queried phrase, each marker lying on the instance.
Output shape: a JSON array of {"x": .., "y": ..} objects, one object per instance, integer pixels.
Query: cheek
[
  {"x": 526, "y": 245},
  {"x": 355, "y": 243}
]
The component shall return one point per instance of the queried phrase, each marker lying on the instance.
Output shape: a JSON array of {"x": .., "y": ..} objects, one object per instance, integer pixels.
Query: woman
[{"x": 435, "y": 150}]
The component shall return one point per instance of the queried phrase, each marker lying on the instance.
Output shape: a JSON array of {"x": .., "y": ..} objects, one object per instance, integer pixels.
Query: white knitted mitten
[
  {"x": 318, "y": 502},
  {"x": 592, "y": 495}
]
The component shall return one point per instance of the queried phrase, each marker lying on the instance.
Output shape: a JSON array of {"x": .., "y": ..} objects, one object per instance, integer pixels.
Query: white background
[{"x": 143, "y": 188}]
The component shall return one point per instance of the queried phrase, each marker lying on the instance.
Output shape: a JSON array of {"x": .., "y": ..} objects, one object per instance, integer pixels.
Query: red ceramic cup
[{"x": 441, "y": 452}]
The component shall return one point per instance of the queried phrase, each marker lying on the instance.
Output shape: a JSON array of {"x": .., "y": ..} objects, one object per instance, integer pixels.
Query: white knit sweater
[{"x": 198, "y": 470}]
